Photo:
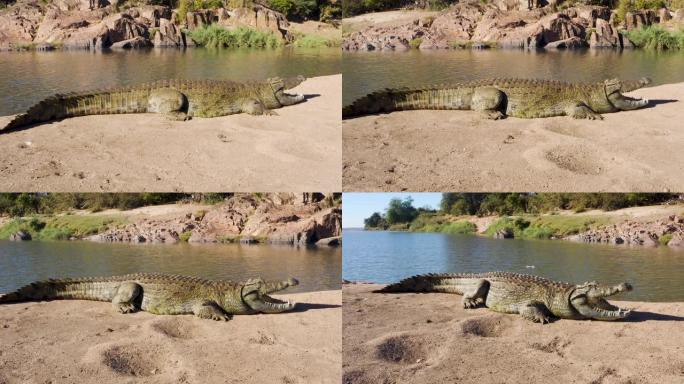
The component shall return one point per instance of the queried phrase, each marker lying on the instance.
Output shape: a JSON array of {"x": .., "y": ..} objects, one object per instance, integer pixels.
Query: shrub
[
  {"x": 664, "y": 239},
  {"x": 215, "y": 36},
  {"x": 415, "y": 43},
  {"x": 656, "y": 37},
  {"x": 185, "y": 236},
  {"x": 459, "y": 227}
]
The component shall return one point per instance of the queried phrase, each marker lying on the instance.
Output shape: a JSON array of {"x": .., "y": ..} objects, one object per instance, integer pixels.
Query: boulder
[
  {"x": 639, "y": 19},
  {"x": 663, "y": 15},
  {"x": 167, "y": 35},
  {"x": 504, "y": 234},
  {"x": 20, "y": 236},
  {"x": 335, "y": 241},
  {"x": 571, "y": 43},
  {"x": 605, "y": 36},
  {"x": 136, "y": 42}
]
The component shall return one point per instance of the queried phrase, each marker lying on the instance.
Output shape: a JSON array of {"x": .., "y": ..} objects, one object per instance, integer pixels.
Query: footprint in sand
[
  {"x": 556, "y": 345},
  {"x": 402, "y": 349},
  {"x": 134, "y": 360},
  {"x": 175, "y": 328},
  {"x": 576, "y": 159},
  {"x": 487, "y": 326}
]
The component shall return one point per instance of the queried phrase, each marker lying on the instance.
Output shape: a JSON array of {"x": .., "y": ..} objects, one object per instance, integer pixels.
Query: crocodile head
[
  {"x": 279, "y": 86},
  {"x": 614, "y": 89},
  {"x": 589, "y": 300},
  {"x": 255, "y": 295}
]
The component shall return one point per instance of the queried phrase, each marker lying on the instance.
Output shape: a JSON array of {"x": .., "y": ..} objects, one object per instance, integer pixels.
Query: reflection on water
[
  {"x": 385, "y": 257},
  {"x": 365, "y": 72},
  {"x": 21, "y": 263},
  {"x": 28, "y": 77}
]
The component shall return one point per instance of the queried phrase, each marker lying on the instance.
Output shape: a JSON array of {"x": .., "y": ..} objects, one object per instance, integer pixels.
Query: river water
[
  {"x": 365, "y": 72},
  {"x": 385, "y": 257},
  {"x": 23, "y": 262},
  {"x": 28, "y": 77}
]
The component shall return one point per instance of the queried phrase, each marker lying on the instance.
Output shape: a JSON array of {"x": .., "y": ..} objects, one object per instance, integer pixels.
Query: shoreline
[
  {"x": 639, "y": 226},
  {"x": 430, "y": 338},
  {"x": 89, "y": 341}
]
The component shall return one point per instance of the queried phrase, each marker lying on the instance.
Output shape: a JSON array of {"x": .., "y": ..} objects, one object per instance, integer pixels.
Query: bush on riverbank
[
  {"x": 215, "y": 36},
  {"x": 656, "y": 37},
  {"x": 545, "y": 227},
  {"x": 60, "y": 227}
]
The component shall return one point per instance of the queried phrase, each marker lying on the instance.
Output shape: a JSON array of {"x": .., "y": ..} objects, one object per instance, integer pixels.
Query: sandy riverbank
[
  {"x": 460, "y": 151},
  {"x": 430, "y": 338},
  {"x": 298, "y": 150},
  {"x": 85, "y": 341}
]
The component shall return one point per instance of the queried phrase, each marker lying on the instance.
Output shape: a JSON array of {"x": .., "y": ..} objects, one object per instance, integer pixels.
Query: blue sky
[{"x": 358, "y": 206}]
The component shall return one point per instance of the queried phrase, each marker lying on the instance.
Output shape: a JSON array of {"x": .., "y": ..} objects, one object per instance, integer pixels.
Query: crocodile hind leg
[
  {"x": 477, "y": 296},
  {"x": 210, "y": 310},
  {"x": 170, "y": 102},
  {"x": 581, "y": 111},
  {"x": 490, "y": 101},
  {"x": 125, "y": 298},
  {"x": 536, "y": 312}
]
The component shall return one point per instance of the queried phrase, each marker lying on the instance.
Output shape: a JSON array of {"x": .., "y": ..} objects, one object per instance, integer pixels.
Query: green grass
[
  {"x": 664, "y": 239},
  {"x": 545, "y": 227},
  {"x": 415, "y": 43},
  {"x": 215, "y": 36},
  {"x": 316, "y": 41},
  {"x": 60, "y": 227},
  {"x": 431, "y": 222},
  {"x": 655, "y": 37},
  {"x": 185, "y": 236}
]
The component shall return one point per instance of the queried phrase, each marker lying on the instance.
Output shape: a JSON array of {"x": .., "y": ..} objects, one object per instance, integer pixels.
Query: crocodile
[
  {"x": 498, "y": 98},
  {"x": 534, "y": 298},
  {"x": 163, "y": 294},
  {"x": 176, "y": 99}
]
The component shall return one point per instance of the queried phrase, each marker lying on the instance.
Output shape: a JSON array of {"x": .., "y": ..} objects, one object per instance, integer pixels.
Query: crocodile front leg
[
  {"x": 489, "y": 101},
  {"x": 126, "y": 296},
  {"x": 210, "y": 310},
  {"x": 581, "y": 111},
  {"x": 535, "y": 312},
  {"x": 477, "y": 296},
  {"x": 256, "y": 107}
]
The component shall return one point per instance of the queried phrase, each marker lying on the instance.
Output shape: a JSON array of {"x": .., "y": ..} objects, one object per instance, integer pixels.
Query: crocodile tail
[
  {"x": 124, "y": 100},
  {"x": 48, "y": 109},
  {"x": 631, "y": 85},
  {"x": 421, "y": 283},
  {"x": 376, "y": 102},
  {"x": 58, "y": 289}
]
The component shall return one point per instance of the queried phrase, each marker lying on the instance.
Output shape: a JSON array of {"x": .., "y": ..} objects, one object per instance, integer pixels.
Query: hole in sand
[
  {"x": 401, "y": 349},
  {"x": 175, "y": 328},
  {"x": 130, "y": 361},
  {"x": 490, "y": 326}
]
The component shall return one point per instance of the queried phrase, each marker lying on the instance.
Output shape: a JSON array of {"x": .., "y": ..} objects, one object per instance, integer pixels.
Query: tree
[
  {"x": 400, "y": 211},
  {"x": 374, "y": 221}
]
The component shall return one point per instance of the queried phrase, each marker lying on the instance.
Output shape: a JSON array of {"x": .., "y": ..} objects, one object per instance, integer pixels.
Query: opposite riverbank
[
  {"x": 73, "y": 340},
  {"x": 406, "y": 338},
  {"x": 646, "y": 225},
  {"x": 460, "y": 151},
  {"x": 297, "y": 150},
  {"x": 282, "y": 218}
]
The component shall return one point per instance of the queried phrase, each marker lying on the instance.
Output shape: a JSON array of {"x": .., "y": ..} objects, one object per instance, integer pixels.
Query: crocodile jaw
[
  {"x": 255, "y": 295},
  {"x": 589, "y": 300}
]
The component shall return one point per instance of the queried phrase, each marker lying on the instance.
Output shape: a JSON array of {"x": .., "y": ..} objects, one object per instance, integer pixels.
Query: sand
[
  {"x": 429, "y": 338},
  {"x": 298, "y": 150},
  {"x": 632, "y": 151},
  {"x": 87, "y": 342}
]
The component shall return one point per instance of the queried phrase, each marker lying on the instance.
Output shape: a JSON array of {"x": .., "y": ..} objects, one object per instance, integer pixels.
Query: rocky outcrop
[
  {"x": 507, "y": 24},
  {"x": 287, "y": 218},
  {"x": 20, "y": 236},
  {"x": 73, "y": 24},
  {"x": 669, "y": 231}
]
